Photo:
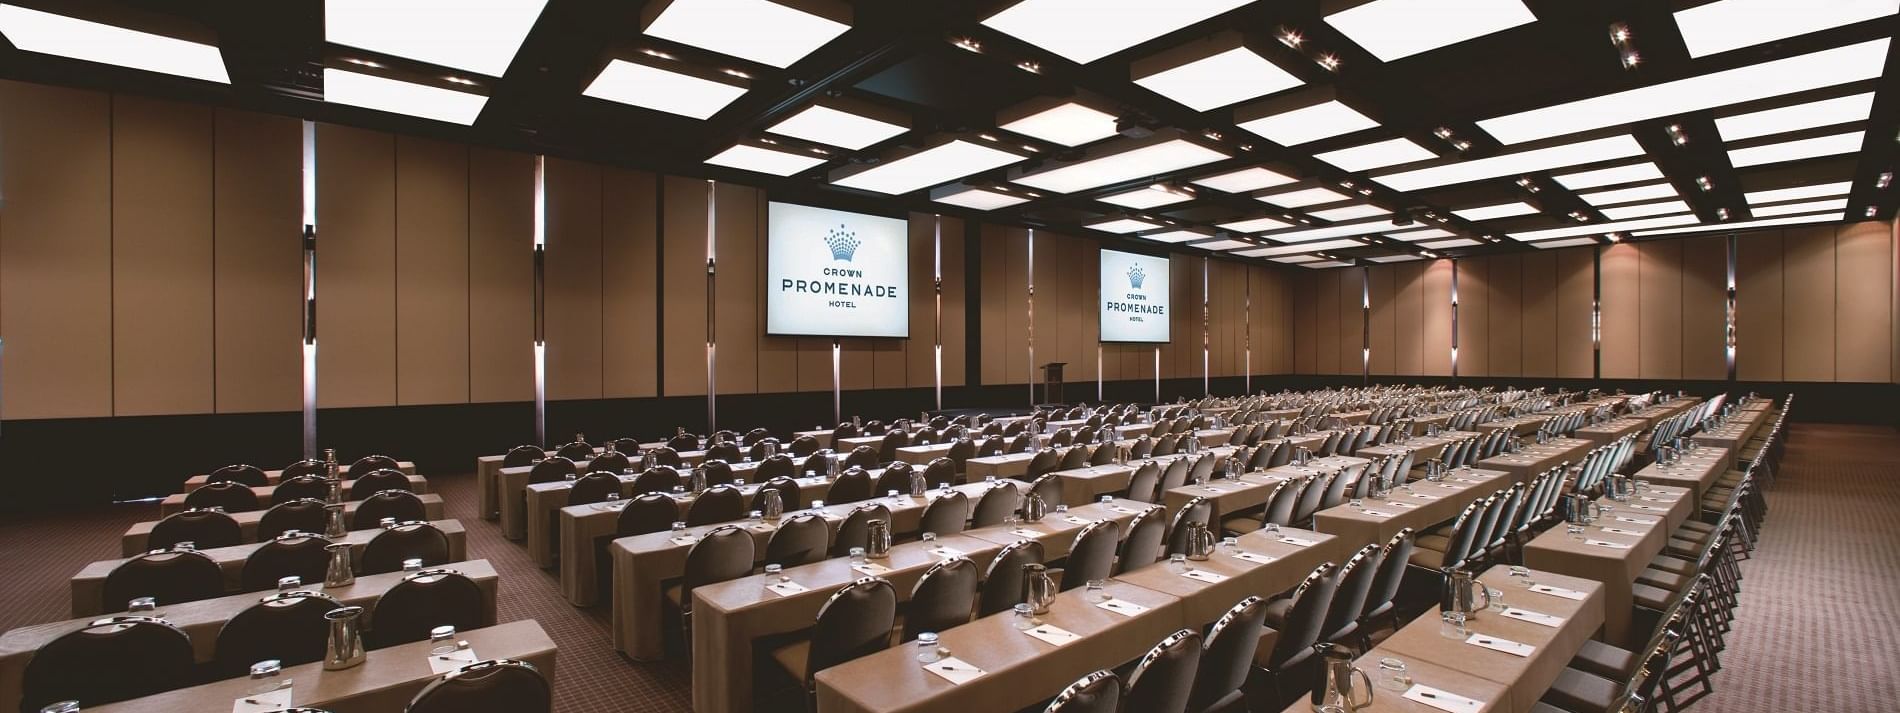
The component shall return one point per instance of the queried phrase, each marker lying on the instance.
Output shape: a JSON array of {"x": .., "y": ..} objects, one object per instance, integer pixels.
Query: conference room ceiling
[{"x": 1308, "y": 132}]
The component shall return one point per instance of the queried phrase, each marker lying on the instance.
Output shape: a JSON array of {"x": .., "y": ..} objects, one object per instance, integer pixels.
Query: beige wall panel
[
  {"x": 1538, "y": 314},
  {"x": 1504, "y": 315},
  {"x": 1435, "y": 318},
  {"x": 356, "y": 267},
  {"x": 1088, "y": 266},
  {"x": 1328, "y": 320},
  {"x": 258, "y": 269},
  {"x": 1188, "y": 334},
  {"x": 574, "y": 274},
  {"x": 629, "y": 297},
  {"x": 1808, "y": 303},
  {"x": 1704, "y": 307},
  {"x": 814, "y": 364},
  {"x": 993, "y": 320},
  {"x": 1758, "y": 306},
  {"x": 1306, "y": 322},
  {"x": 431, "y": 272},
  {"x": 1383, "y": 337},
  {"x": 1621, "y": 277},
  {"x": 1016, "y": 319},
  {"x": 56, "y": 258},
  {"x": 954, "y": 309},
  {"x": 855, "y": 360},
  {"x": 1077, "y": 302},
  {"x": 736, "y": 293},
  {"x": 161, "y": 257},
  {"x": 1474, "y": 326},
  {"x": 1407, "y": 315},
  {"x": 683, "y": 294},
  {"x": 1576, "y": 290},
  {"x": 919, "y": 350},
  {"x": 1864, "y": 302},
  {"x": 500, "y": 276},
  {"x": 1659, "y": 310},
  {"x": 1352, "y": 333}
]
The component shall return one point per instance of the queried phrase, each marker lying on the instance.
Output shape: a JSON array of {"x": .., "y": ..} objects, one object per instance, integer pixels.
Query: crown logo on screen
[
  {"x": 1135, "y": 276},
  {"x": 844, "y": 243}
]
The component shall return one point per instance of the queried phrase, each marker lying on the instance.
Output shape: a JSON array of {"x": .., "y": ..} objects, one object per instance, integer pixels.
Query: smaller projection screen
[
  {"x": 1134, "y": 294},
  {"x": 830, "y": 273}
]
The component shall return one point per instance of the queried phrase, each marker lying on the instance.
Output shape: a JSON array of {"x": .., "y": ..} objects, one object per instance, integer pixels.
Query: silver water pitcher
[
  {"x": 333, "y": 495},
  {"x": 338, "y": 573},
  {"x": 345, "y": 646},
  {"x": 1463, "y": 593},
  {"x": 1302, "y": 455},
  {"x": 774, "y": 505},
  {"x": 1200, "y": 541},
  {"x": 1034, "y": 507},
  {"x": 697, "y": 480},
  {"x": 1038, "y": 589},
  {"x": 1579, "y": 509},
  {"x": 334, "y": 526},
  {"x": 878, "y": 539},
  {"x": 1344, "y": 682},
  {"x": 918, "y": 485},
  {"x": 1192, "y": 445},
  {"x": 1620, "y": 487},
  {"x": 1435, "y": 469}
]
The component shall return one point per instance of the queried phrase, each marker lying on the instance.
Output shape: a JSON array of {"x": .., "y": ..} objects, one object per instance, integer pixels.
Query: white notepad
[
  {"x": 1253, "y": 557},
  {"x": 870, "y": 568},
  {"x": 1635, "y": 520},
  {"x": 1571, "y": 594},
  {"x": 1052, "y": 635},
  {"x": 445, "y": 663},
  {"x": 1496, "y": 644},
  {"x": 1299, "y": 542},
  {"x": 1026, "y": 532},
  {"x": 275, "y": 700},
  {"x": 1378, "y": 513},
  {"x": 954, "y": 670},
  {"x": 946, "y": 552},
  {"x": 1122, "y": 607},
  {"x": 1204, "y": 576},
  {"x": 1607, "y": 543},
  {"x": 1442, "y": 700},
  {"x": 1123, "y": 510},
  {"x": 684, "y": 540},
  {"x": 1534, "y": 617},
  {"x": 1621, "y": 531},
  {"x": 1398, "y": 504},
  {"x": 1073, "y": 520},
  {"x": 787, "y": 588}
]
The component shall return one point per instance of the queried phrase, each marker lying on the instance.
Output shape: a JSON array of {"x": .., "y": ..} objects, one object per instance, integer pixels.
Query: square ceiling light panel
[
  {"x": 1083, "y": 31},
  {"x": 1797, "y": 149},
  {"x": 1814, "y": 70},
  {"x": 1212, "y": 73},
  {"x": 1244, "y": 180},
  {"x": 1224, "y": 245},
  {"x": 1395, "y": 258},
  {"x": 1808, "y": 115},
  {"x": 1819, "y": 190},
  {"x": 1391, "y": 152},
  {"x": 1566, "y": 243},
  {"x": 839, "y": 124},
  {"x": 1526, "y": 161},
  {"x": 1342, "y": 230},
  {"x": 480, "y": 36},
  {"x": 1273, "y": 250},
  {"x": 769, "y": 33},
  {"x": 1748, "y": 224},
  {"x": 1453, "y": 243},
  {"x": 1304, "y": 197},
  {"x": 398, "y": 97},
  {"x": 1629, "y": 195},
  {"x": 1151, "y": 197},
  {"x": 1297, "y": 259},
  {"x": 1413, "y": 236},
  {"x": 1255, "y": 225},
  {"x": 1176, "y": 236},
  {"x": 1610, "y": 176},
  {"x": 1139, "y": 160},
  {"x": 978, "y": 198},
  {"x": 1351, "y": 212},
  {"x": 1396, "y": 29},
  {"x": 671, "y": 87},
  {"x": 1067, "y": 123},
  {"x": 760, "y": 159},
  {"x": 47, "y": 33},
  {"x": 1571, "y": 231},
  {"x": 1123, "y": 226},
  {"x": 1640, "y": 210},
  {"x": 1493, "y": 212},
  {"x": 1301, "y": 124},
  {"x": 1769, "y": 211},
  {"x": 942, "y": 163},
  {"x": 1734, "y": 24}
]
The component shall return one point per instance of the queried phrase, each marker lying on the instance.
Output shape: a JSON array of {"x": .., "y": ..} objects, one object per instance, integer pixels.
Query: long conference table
[
  {"x": 135, "y": 538},
  {"x": 176, "y": 501},
  {"x": 273, "y": 477},
  {"x": 1615, "y": 550}
]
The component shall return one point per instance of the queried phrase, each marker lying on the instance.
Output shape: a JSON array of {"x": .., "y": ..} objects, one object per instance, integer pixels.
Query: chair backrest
[
  {"x": 1336, "y": 486},
  {"x": 1349, "y": 597},
  {"x": 1076, "y": 457},
  {"x": 369, "y": 464},
  {"x": 551, "y": 470},
  {"x": 1103, "y": 454},
  {"x": 204, "y": 528},
  {"x": 942, "y": 470},
  {"x": 1048, "y": 487},
  {"x": 412, "y": 540},
  {"x": 171, "y": 577},
  {"x": 887, "y": 448},
  {"x": 593, "y": 488},
  {"x": 300, "y": 555},
  {"x": 400, "y": 505},
  {"x": 803, "y": 446},
  {"x": 855, "y": 530},
  {"x": 996, "y": 505},
  {"x": 854, "y": 622},
  {"x": 789, "y": 494},
  {"x": 647, "y": 513},
  {"x": 1464, "y": 532},
  {"x": 522, "y": 456},
  {"x": 1280, "y": 502},
  {"x": 665, "y": 455},
  {"x": 683, "y": 442},
  {"x": 991, "y": 445},
  {"x": 1146, "y": 533},
  {"x": 779, "y": 465},
  {"x": 943, "y": 598},
  {"x": 723, "y": 553},
  {"x": 801, "y": 539},
  {"x": 1310, "y": 497},
  {"x": 1061, "y": 437},
  {"x": 629, "y": 446},
  {"x": 720, "y": 503},
  {"x": 229, "y": 495},
  {"x": 425, "y": 600},
  {"x": 1092, "y": 555},
  {"x": 377, "y": 481},
  {"x": 1164, "y": 678},
  {"x": 1227, "y": 657},
  {"x": 1045, "y": 461},
  {"x": 1176, "y": 474},
  {"x": 844, "y": 430},
  {"x": 1203, "y": 467},
  {"x": 852, "y": 485},
  {"x": 1145, "y": 484},
  {"x": 1003, "y": 582},
  {"x": 896, "y": 476},
  {"x": 1143, "y": 447},
  {"x": 656, "y": 479},
  {"x": 1385, "y": 585},
  {"x": 947, "y": 515},
  {"x": 611, "y": 462},
  {"x": 302, "y": 487},
  {"x": 287, "y": 626},
  {"x": 241, "y": 474},
  {"x": 1098, "y": 692},
  {"x": 1262, "y": 457},
  {"x": 304, "y": 467},
  {"x": 495, "y": 686},
  {"x": 1300, "y": 628},
  {"x": 108, "y": 661},
  {"x": 304, "y": 514},
  {"x": 1198, "y": 510}
]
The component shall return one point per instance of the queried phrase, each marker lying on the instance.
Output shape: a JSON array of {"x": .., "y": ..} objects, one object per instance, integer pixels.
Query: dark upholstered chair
[
  {"x": 377, "y": 481},
  {"x": 400, "y": 505},
  {"x": 288, "y": 626},
  {"x": 370, "y": 464},
  {"x": 111, "y": 660},
  {"x": 248, "y": 475},
  {"x": 299, "y": 555},
  {"x": 205, "y": 529},
  {"x": 1098, "y": 692},
  {"x": 416, "y": 540},
  {"x": 496, "y": 686},
  {"x": 425, "y": 600},
  {"x": 170, "y": 577},
  {"x": 303, "y": 515},
  {"x": 230, "y": 496},
  {"x": 302, "y": 487},
  {"x": 1163, "y": 680},
  {"x": 943, "y": 598}
]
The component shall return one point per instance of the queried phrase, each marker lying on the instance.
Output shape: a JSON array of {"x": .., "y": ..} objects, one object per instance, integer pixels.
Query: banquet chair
[
  {"x": 1103, "y": 454},
  {"x": 377, "y": 481},
  {"x": 575, "y": 451},
  {"x": 647, "y": 513},
  {"x": 1278, "y": 510},
  {"x": 594, "y": 487},
  {"x": 610, "y": 462},
  {"x": 855, "y": 530},
  {"x": 425, "y": 600},
  {"x": 665, "y": 456},
  {"x": 1002, "y": 586},
  {"x": 1282, "y": 455},
  {"x": 1335, "y": 492},
  {"x": 887, "y": 448},
  {"x": 1349, "y": 597},
  {"x": 720, "y": 503},
  {"x": 1447, "y": 547},
  {"x": 656, "y": 479},
  {"x": 169, "y": 576},
  {"x": 247, "y": 475},
  {"x": 998, "y": 503},
  {"x": 860, "y": 457},
  {"x": 313, "y": 487},
  {"x": 1143, "y": 447},
  {"x": 941, "y": 600},
  {"x": 628, "y": 446},
  {"x": 1293, "y": 648},
  {"x": 1164, "y": 678},
  {"x": 1227, "y": 657},
  {"x": 1091, "y": 555},
  {"x": 305, "y": 467},
  {"x": 856, "y": 621},
  {"x": 799, "y": 539},
  {"x": 946, "y": 515},
  {"x": 286, "y": 626},
  {"x": 1203, "y": 467},
  {"x": 726, "y": 451},
  {"x": 298, "y": 555},
  {"x": 1308, "y": 505},
  {"x": 788, "y": 494},
  {"x": 409, "y": 540},
  {"x": 896, "y": 476},
  {"x": 843, "y": 431},
  {"x": 205, "y": 529},
  {"x": 302, "y": 514},
  {"x": 1045, "y": 461},
  {"x": 522, "y": 456},
  {"x": 229, "y": 496},
  {"x": 1144, "y": 484},
  {"x": 1098, "y": 692},
  {"x": 683, "y": 442},
  {"x": 1062, "y": 437},
  {"x": 943, "y": 470},
  {"x": 1048, "y": 486},
  {"x": 803, "y": 446},
  {"x": 400, "y": 505},
  {"x": 1580, "y": 692},
  {"x": 1175, "y": 475},
  {"x": 991, "y": 446},
  {"x": 722, "y": 554},
  {"x": 1076, "y": 457},
  {"x": 777, "y": 466},
  {"x": 552, "y": 470},
  {"x": 1382, "y": 599},
  {"x": 756, "y": 451},
  {"x": 109, "y": 660},
  {"x": 493, "y": 686},
  {"x": 1165, "y": 444},
  {"x": 1198, "y": 510},
  {"x": 1262, "y": 457},
  {"x": 852, "y": 485},
  {"x": 1016, "y": 428},
  {"x": 873, "y": 427}
]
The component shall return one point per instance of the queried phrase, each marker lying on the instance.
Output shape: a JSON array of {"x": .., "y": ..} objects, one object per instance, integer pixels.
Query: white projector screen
[
  {"x": 1134, "y": 294},
  {"x": 829, "y": 273}
]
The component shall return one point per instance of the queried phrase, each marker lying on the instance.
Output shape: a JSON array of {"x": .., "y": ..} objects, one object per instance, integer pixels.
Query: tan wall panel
[
  {"x": 1328, "y": 320},
  {"x": 1088, "y": 267},
  {"x": 1659, "y": 310},
  {"x": 1474, "y": 326},
  {"x": 1306, "y": 322},
  {"x": 56, "y": 258},
  {"x": 1016, "y": 319},
  {"x": 1352, "y": 334},
  {"x": 1435, "y": 318},
  {"x": 431, "y": 272},
  {"x": 1408, "y": 311},
  {"x": 573, "y": 279},
  {"x": 1621, "y": 304},
  {"x": 1705, "y": 307},
  {"x": 992, "y": 320},
  {"x": 954, "y": 310},
  {"x": 1864, "y": 302},
  {"x": 1539, "y": 314},
  {"x": 1504, "y": 315},
  {"x": 1758, "y": 306},
  {"x": 683, "y": 294},
  {"x": 1808, "y": 303},
  {"x": 1383, "y": 337},
  {"x": 1078, "y": 299},
  {"x": 814, "y": 364},
  {"x": 629, "y": 296},
  {"x": 500, "y": 276},
  {"x": 736, "y": 292},
  {"x": 258, "y": 265},
  {"x": 356, "y": 267},
  {"x": 779, "y": 357},
  {"x": 920, "y": 349},
  {"x": 855, "y": 361},
  {"x": 161, "y": 258},
  {"x": 1188, "y": 332},
  {"x": 1576, "y": 290}
]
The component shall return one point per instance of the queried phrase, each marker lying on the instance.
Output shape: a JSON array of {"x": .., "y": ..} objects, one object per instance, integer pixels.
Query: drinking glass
[
  {"x": 857, "y": 555},
  {"x": 1107, "y": 499},
  {"x": 1497, "y": 599},
  {"x": 927, "y": 647},
  {"x": 1452, "y": 625},
  {"x": 1177, "y": 562},
  {"x": 1392, "y": 675},
  {"x": 1025, "y": 617},
  {"x": 1097, "y": 590}
]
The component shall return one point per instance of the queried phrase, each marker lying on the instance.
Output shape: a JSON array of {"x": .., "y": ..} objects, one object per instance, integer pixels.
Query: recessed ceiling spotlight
[
  {"x": 1619, "y": 34},
  {"x": 1442, "y": 132},
  {"x": 1676, "y": 135},
  {"x": 459, "y": 80},
  {"x": 1615, "y": 237},
  {"x": 1365, "y": 191},
  {"x": 1291, "y": 38},
  {"x": 967, "y": 44},
  {"x": 1329, "y": 61},
  {"x": 645, "y": 50},
  {"x": 1871, "y": 211},
  {"x": 1885, "y": 179},
  {"x": 1461, "y": 145},
  {"x": 1030, "y": 67},
  {"x": 737, "y": 73},
  {"x": 1721, "y": 213},
  {"x": 364, "y": 62},
  {"x": 1579, "y": 216},
  {"x": 1528, "y": 184},
  {"x": 1704, "y": 183},
  {"x": 1631, "y": 59}
]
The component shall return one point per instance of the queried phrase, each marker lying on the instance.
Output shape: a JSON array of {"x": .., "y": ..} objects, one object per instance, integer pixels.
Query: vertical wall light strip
[
  {"x": 1728, "y": 333},
  {"x": 1206, "y": 388},
  {"x": 1365, "y": 324},
  {"x": 540, "y": 238},
  {"x": 1032, "y": 321},
  {"x": 1596, "y": 313},
  {"x": 712, "y": 310},
  {"x": 1157, "y": 374},
  {"x": 936, "y": 271},
  {"x": 1454, "y": 319},
  {"x": 1246, "y": 336},
  {"x": 837, "y": 394},
  {"x": 309, "y": 240}
]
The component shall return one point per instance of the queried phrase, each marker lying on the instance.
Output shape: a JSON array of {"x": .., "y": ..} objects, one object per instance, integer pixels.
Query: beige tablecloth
[
  {"x": 1535, "y": 458},
  {"x": 1420, "y": 505},
  {"x": 1616, "y": 568},
  {"x": 176, "y": 502},
  {"x": 273, "y": 477},
  {"x": 133, "y": 542}
]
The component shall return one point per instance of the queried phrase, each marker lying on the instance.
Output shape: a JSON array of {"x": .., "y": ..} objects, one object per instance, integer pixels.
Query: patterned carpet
[{"x": 1817, "y": 630}]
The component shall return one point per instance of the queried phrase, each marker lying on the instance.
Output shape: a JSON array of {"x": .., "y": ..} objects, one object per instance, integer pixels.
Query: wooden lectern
[{"x": 1052, "y": 382}]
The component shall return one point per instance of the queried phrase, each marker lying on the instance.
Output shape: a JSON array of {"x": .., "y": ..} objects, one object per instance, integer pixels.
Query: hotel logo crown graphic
[
  {"x": 844, "y": 243},
  {"x": 1136, "y": 276}
]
